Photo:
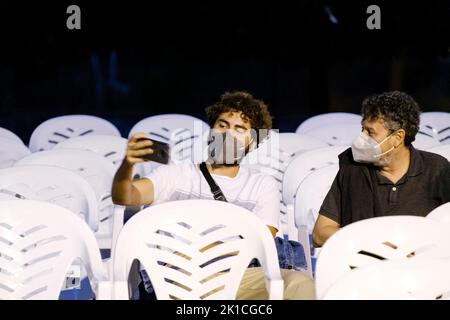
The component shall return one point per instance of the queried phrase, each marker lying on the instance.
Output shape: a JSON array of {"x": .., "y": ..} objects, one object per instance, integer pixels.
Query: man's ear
[{"x": 400, "y": 137}]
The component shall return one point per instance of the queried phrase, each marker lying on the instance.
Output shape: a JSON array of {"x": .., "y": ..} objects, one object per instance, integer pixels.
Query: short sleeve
[
  {"x": 164, "y": 182},
  {"x": 445, "y": 184},
  {"x": 331, "y": 206},
  {"x": 268, "y": 202}
]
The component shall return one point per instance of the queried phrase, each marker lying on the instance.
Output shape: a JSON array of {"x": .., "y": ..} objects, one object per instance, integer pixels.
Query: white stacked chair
[
  {"x": 338, "y": 134},
  {"x": 111, "y": 147},
  {"x": 58, "y": 129},
  {"x": 99, "y": 173},
  {"x": 370, "y": 241},
  {"x": 54, "y": 185},
  {"x": 326, "y": 119},
  {"x": 273, "y": 156},
  {"x": 5, "y": 133},
  {"x": 425, "y": 142},
  {"x": 308, "y": 200},
  {"x": 11, "y": 151},
  {"x": 436, "y": 125},
  {"x": 185, "y": 134},
  {"x": 160, "y": 234},
  {"x": 412, "y": 279},
  {"x": 443, "y": 150},
  {"x": 441, "y": 213},
  {"x": 298, "y": 169},
  {"x": 40, "y": 242}
]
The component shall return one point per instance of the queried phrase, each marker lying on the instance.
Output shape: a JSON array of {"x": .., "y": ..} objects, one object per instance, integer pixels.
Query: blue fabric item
[{"x": 291, "y": 254}]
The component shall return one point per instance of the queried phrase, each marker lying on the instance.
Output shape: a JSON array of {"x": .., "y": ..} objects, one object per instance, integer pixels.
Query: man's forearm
[
  {"x": 122, "y": 185},
  {"x": 319, "y": 238}
]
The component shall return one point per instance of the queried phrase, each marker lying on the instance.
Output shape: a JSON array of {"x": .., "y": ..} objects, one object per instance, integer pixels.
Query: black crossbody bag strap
[{"x": 215, "y": 189}]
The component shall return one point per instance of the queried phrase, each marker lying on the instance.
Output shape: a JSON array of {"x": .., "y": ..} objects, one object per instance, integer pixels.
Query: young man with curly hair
[
  {"x": 382, "y": 173},
  {"x": 232, "y": 119}
]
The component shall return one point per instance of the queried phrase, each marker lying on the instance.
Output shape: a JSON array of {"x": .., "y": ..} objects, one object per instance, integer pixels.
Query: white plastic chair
[
  {"x": 308, "y": 200},
  {"x": 54, "y": 185},
  {"x": 339, "y": 134},
  {"x": 298, "y": 169},
  {"x": 11, "y": 151},
  {"x": 369, "y": 241},
  {"x": 99, "y": 172},
  {"x": 111, "y": 147},
  {"x": 273, "y": 156},
  {"x": 5, "y": 133},
  {"x": 55, "y": 130},
  {"x": 408, "y": 279},
  {"x": 187, "y": 227},
  {"x": 185, "y": 134},
  {"x": 326, "y": 119},
  {"x": 425, "y": 142},
  {"x": 443, "y": 150},
  {"x": 40, "y": 243},
  {"x": 441, "y": 213},
  {"x": 436, "y": 125}
]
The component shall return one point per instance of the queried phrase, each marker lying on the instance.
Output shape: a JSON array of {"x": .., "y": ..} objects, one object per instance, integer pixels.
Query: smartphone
[{"x": 161, "y": 151}]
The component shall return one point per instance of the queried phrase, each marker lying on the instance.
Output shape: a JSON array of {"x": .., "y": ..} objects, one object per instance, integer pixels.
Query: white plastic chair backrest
[
  {"x": 274, "y": 154},
  {"x": 185, "y": 134},
  {"x": 111, "y": 147},
  {"x": 304, "y": 164},
  {"x": 424, "y": 142},
  {"x": 5, "y": 133},
  {"x": 383, "y": 238},
  {"x": 337, "y": 134},
  {"x": 310, "y": 195},
  {"x": 443, "y": 150},
  {"x": 326, "y": 119},
  {"x": 441, "y": 213},
  {"x": 51, "y": 184},
  {"x": 97, "y": 170},
  {"x": 55, "y": 130},
  {"x": 11, "y": 151},
  {"x": 40, "y": 241},
  {"x": 436, "y": 125},
  {"x": 188, "y": 226},
  {"x": 408, "y": 279}
]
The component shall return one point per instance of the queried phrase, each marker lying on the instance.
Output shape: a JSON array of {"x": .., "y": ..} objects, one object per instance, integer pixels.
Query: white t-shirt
[{"x": 249, "y": 189}]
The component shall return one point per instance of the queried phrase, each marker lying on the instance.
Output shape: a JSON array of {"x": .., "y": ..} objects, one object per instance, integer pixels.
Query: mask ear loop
[{"x": 383, "y": 153}]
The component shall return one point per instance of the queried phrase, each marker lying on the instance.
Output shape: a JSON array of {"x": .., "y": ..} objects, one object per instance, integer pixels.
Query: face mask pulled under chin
[
  {"x": 367, "y": 150},
  {"x": 224, "y": 149}
]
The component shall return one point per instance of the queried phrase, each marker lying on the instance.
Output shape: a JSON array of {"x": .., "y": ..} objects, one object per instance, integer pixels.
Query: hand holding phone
[{"x": 141, "y": 148}]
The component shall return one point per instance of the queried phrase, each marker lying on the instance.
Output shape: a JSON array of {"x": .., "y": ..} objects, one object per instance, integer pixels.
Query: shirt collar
[
  {"x": 415, "y": 168},
  {"x": 416, "y": 164}
]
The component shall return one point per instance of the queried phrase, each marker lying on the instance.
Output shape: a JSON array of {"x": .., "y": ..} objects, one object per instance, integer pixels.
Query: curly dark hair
[
  {"x": 253, "y": 110},
  {"x": 397, "y": 109}
]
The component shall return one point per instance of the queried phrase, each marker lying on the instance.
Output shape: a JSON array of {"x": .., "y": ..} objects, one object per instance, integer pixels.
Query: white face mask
[
  {"x": 225, "y": 149},
  {"x": 367, "y": 150}
]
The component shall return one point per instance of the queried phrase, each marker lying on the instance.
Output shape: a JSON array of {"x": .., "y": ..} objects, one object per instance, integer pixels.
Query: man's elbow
[
  {"x": 317, "y": 240},
  {"x": 118, "y": 200}
]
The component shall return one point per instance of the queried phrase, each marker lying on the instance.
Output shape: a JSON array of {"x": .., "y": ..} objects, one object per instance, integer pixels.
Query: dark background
[{"x": 174, "y": 56}]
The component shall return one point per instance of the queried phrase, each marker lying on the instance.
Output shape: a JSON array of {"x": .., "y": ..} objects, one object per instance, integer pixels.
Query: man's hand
[{"x": 138, "y": 146}]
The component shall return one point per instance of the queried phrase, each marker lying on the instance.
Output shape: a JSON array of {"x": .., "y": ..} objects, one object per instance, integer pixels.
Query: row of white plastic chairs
[
  {"x": 307, "y": 180},
  {"x": 41, "y": 241},
  {"x": 435, "y": 125},
  {"x": 394, "y": 257},
  {"x": 273, "y": 156}
]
